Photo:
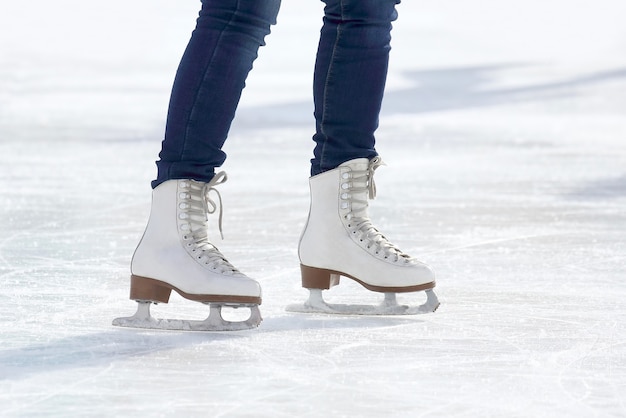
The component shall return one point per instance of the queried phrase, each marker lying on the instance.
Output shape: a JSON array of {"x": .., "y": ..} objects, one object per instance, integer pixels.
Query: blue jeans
[{"x": 349, "y": 81}]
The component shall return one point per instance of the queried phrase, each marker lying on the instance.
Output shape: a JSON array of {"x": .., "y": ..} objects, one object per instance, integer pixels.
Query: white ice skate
[
  {"x": 340, "y": 240},
  {"x": 175, "y": 254}
]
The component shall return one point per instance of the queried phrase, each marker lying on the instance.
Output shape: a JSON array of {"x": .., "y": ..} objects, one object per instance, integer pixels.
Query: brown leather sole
[
  {"x": 146, "y": 289},
  {"x": 318, "y": 278}
]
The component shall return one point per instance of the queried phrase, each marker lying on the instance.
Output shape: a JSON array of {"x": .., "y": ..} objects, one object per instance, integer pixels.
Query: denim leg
[
  {"x": 208, "y": 85},
  {"x": 349, "y": 80}
]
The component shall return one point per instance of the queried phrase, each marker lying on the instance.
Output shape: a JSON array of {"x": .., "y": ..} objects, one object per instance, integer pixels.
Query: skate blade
[
  {"x": 389, "y": 306},
  {"x": 214, "y": 322}
]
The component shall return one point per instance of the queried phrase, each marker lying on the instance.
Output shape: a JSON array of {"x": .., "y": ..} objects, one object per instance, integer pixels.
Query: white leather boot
[
  {"x": 340, "y": 240},
  {"x": 175, "y": 252}
]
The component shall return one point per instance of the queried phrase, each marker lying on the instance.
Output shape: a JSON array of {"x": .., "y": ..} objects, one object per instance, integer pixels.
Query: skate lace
[
  {"x": 358, "y": 218},
  {"x": 197, "y": 205}
]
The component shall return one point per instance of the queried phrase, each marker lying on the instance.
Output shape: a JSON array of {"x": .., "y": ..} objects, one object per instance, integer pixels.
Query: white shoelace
[
  {"x": 358, "y": 219},
  {"x": 196, "y": 206}
]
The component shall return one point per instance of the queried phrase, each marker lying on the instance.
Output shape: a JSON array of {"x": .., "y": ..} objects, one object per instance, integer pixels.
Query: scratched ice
[{"x": 504, "y": 134}]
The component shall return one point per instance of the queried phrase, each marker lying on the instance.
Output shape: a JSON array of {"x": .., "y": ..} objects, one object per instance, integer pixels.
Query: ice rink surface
[{"x": 504, "y": 131}]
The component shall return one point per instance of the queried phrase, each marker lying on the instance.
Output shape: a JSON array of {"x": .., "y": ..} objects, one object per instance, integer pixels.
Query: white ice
[{"x": 504, "y": 131}]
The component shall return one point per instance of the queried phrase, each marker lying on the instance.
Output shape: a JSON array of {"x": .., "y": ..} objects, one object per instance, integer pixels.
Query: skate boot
[
  {"x": 176, "y": 254},
  {"x": 340, "y": 240}
]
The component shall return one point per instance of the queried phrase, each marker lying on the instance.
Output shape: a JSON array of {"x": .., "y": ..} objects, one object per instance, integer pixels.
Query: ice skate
[
  {"x": 176, "y": 254},
  {"x": 340, "y": 240}
]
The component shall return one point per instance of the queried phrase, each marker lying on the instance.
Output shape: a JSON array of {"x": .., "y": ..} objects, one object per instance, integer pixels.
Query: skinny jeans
[{"x": 348, "y": 83}]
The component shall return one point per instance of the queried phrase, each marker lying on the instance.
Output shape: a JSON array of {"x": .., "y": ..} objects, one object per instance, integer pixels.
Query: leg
[
  {"x": 208, "y": 86},
  {"x": 339, "y": 238},
  {"x": 349, "y": 81},
  {"x": 175, "y": 252}
]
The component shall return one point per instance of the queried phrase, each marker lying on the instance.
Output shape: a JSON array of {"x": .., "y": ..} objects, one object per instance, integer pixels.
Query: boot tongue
[
  {"x": 358, "y": 177},
  {"x": 204, "y": 200},
  {"x": 200, "y": 222},
  {"x": 360, "y": 164},
  {"x": 368, "y": 167},
  {"x": 197, "y": 213}
]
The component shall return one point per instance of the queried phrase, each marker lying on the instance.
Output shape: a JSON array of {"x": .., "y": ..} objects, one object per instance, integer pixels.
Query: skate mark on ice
[
  {"x": 300, "y": 323},
  {"x": 585, "y": 354},
  {"x": 496, "y": 241},
  {"x": 96, "y": 350},
  {"x": 62, "y": 389}
]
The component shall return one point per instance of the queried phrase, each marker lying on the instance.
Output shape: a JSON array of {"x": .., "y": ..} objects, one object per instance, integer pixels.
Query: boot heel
[
  {"x": 316, "y": 278},
  {"x": 142, "y": 288}
]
